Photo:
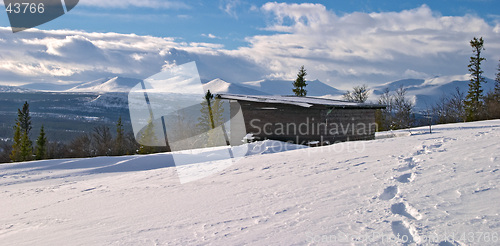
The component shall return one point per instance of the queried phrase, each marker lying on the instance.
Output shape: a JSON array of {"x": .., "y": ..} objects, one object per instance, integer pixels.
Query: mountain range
[
  {"x": 115, "y": 84},
  {"x": 67, "y": 112},
  {"x": 424, "y": 92},
  {"x": 14, "y": 89}
]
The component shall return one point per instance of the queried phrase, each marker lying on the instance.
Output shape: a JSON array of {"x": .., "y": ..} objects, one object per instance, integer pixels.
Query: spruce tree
[
  {"x": 24, "y": 118},
  {"x": 212, "y": 113},
  {"x": 300, "y": 84},
  {"x": 212, "y": 116},
  {"x": 16, "y": 147},
  {"x": 22, "y": 149},
  {"x": 473, "y": 102},
  {"x": 41, "y": 145},
  {"x": 26, "y": 148},
  {"x": 208, "y": 98}
]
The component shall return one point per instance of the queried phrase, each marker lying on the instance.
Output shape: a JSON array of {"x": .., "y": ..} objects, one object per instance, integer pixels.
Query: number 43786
[{"x": 24, "y": 8}]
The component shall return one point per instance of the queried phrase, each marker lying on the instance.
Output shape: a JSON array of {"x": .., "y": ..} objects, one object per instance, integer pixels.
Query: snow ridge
[
  {"x": 107, "y": 85},
  {"x": 14, "y": 89}
]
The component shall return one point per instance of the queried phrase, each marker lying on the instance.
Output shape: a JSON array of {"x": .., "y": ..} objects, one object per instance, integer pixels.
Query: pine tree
[
  {"x": 120, "y": 139},
  {"x": 16, "y": 147},
  {"x": 300, "y": 84},
  {"x": 24, "y": 118},
  {"x": 41, "y": 145},
  {"x": 473, "y": 102},
  {"x": 26, "y": 148},
  {"x": 208, "y": 98},
  {"x": 212, "y": 113},
  {"x": 212, "y": 116},
  {"x": 22, "y": 149}
]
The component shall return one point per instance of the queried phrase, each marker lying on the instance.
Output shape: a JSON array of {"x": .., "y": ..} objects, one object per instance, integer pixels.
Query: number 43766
[{"x": 24, "y": 8}]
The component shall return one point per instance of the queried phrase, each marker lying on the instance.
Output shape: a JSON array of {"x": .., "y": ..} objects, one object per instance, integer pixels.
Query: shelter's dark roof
[{"x": 299, "y": 101}]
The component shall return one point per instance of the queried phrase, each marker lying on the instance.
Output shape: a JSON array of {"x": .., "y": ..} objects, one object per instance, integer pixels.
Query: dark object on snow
[{"x": 303, "y": 120}]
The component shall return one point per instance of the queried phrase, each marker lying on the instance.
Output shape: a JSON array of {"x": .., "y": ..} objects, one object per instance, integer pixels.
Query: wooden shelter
[{"x": 305, "y": 120}]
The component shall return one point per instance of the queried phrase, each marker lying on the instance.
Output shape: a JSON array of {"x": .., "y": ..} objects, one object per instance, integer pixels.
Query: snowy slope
[
  {"x": 284, "y": 87},
  {"x": 440, "y": 186},
  {"x": 105, "y": 85},
  {"x": 221, "y": 86}
]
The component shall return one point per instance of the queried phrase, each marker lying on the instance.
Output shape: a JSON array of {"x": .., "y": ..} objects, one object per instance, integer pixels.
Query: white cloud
[
  {"x": 367, "y": 47},
  {"x": 343, "y": 50},
  {"x": 210, "y": 36},
  {"x": 74, "y": 47},
  {"x": 229, "y": 6},
  {"x": 62, "y": 55}
]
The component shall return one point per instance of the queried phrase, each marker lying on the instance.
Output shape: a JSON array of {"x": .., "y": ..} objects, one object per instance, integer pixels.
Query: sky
[{"x": 342, "y": 43}]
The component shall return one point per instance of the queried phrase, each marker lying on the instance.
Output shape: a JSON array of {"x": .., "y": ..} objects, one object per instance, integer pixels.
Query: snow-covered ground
[{"x": 424, "y": 188}]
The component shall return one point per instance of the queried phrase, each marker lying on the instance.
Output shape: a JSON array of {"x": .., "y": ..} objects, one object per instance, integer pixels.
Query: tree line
[
  {"x": 399, "y": 111},
  {"x": 101, "y": 141},
  {"x": 475, "y": 105},
  {"x": 453, "y": 107}
]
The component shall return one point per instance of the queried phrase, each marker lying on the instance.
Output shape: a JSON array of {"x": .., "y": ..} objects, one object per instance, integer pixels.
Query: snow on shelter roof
[{"x": 299, "y": 101}]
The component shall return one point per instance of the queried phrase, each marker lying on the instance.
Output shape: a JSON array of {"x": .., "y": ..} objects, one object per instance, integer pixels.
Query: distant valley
[{"x": 64, "y": 115}]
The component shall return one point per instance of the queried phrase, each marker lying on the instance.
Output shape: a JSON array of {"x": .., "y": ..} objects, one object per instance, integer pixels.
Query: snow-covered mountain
[
  {"x": 105, "y": 85},
  {"x": 221, "y": 86},
  {"x": 120, "y": 84},
  {"x": 423, "y": 189},
  {"x": 52, "y": 87},
  {"x": 14, "y": 89},
  {"x": 426, "y": 92},
  {"x": 314, "y": 88},
  {"x": 269, "y": 87}
]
